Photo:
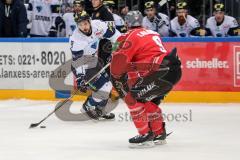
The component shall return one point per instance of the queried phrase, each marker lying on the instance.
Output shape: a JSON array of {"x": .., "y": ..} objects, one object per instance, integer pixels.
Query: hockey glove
[
  {"x": 59, "y": 23},
  {"x": 81, "y": 83},
  {"x": 121, "y": 85}
]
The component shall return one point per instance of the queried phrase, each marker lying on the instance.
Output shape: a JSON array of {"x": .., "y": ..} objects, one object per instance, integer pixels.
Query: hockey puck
[{"x": 42, "y": 126}]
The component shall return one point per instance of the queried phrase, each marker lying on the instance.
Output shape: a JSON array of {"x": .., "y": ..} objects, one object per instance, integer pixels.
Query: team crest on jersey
[
  {"x": 226, "y": 26},
  {"x": 39, "y": 8},
  {"x": 94, "y": 45},
  {"x": 73, "y": 27},
  {"x": 98, "y": 33}
]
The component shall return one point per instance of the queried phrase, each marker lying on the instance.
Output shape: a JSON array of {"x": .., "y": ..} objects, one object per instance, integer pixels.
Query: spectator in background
[
  {"x": 184, "y": 25},
  {"x": 66, "y": 24},
  {"x": 124, "y": 11},
  {"x": 41, "y": 15},
  {"x": 13, "y": 19},
  {"x": 119, "y": 22},
  {"x": 157, "y": 22},
  {"x": 222, "y": 25},
  {"x": 100, "y": 12}
]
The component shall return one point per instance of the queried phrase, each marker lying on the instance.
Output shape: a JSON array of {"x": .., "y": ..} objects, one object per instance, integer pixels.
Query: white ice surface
[{"x": 213, "y": 133}]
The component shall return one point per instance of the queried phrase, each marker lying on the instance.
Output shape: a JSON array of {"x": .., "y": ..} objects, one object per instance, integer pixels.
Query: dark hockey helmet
[
  {"x": 149, "y": 4},
  {"x": 134, "y": 19},
  {"x": 219, "y": 7},
  {"x": 182, "y": 5},
  {"x": 110, "y": 4},
  {"x": 80, "y": 2},
  {"x": 82, "y": 16}
]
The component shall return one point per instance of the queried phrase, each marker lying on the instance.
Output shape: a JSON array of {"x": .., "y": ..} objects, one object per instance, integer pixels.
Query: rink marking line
[{"x": 174, "y": 96}]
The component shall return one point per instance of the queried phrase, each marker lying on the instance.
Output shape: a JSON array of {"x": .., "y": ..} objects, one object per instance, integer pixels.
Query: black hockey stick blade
[
  {"x": 168, "y": 134},
  {"x": 34, "y": 125}
]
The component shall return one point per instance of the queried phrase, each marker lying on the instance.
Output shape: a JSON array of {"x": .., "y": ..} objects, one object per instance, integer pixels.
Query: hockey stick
[
  {"x": 34, "y": 125},
  {"x": 59, "y": 13},
  {"x": 105, "y": 67},
  {"x": 162, "y": 3}
]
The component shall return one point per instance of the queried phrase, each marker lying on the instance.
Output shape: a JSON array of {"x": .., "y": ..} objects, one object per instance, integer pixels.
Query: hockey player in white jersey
[
  {"x": 222, "y": 25},
  {"x": 41, "y": 15},
  {"x": 119, "y": 22},
  {"x": 86, "y": 63},
  {"x": 184, "y": 25},
  {"x": 157, "y": 22}
]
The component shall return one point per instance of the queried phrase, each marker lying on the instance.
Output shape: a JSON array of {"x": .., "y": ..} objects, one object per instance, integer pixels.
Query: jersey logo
[
  {"x": 182, "y": 34},
  {"x": 39, "y": 8},
  {"x": 94, "y": 45},
  {"x": 146, "y": 89},
  {"x": 73, "y": 27},
  {"x": 226, "y": 26},
  {"x": 98, "y": 33},
  {"x": 219, "y": 35}
]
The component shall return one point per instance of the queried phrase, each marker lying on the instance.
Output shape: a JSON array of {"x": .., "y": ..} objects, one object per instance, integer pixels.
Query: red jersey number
[{"x": 158, "y": 41}]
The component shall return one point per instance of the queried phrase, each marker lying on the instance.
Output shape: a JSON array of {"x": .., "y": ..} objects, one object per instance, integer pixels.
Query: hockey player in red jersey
[{"x": 143, "y": 72}]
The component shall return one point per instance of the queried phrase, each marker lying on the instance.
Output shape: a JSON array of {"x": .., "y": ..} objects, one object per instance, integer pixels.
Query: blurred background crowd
[{"x": 174, "y": 18}]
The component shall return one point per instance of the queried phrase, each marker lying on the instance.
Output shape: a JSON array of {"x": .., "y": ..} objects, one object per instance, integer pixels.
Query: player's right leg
[
  {"x": 95, "y": 104},
  {"x": 156, "y": 123},
  {"x": 151, "y": 90},
  {"x": 141, "y": 122}
]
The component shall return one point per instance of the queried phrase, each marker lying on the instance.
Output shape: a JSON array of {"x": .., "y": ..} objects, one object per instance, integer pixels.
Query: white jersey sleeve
[
  {"x": 119, "y": 23},
  {"x": 70, "y": 24},
  {"x": 118, "y": 20},
  {"x": 164, "y": 25},
  {"x": 106, "y": 30}
]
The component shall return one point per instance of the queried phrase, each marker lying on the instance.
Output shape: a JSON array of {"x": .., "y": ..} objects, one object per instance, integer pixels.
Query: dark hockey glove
[
  {"x": 52, "y": 32},
  {"x": 59, "y": 23},
  {"x": 81, "y": 83},
  {"x": 234, "y": 31},
  {"x": 121, "y": 85}
]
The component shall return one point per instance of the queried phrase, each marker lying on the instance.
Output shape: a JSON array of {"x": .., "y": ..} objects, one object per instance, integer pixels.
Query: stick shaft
[{"x": 73, "y": 94}]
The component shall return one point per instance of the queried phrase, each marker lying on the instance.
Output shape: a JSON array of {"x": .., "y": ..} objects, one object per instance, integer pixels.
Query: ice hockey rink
[{"x": 200, "y": 131}]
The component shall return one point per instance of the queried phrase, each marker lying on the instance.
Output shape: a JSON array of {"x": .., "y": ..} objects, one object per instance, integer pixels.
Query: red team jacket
[{"x": 139, "y": 52}]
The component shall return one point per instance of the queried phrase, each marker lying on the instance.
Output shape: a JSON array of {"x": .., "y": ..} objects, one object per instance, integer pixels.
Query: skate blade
[
  {"x": 148, "y": 144},
  {"x": 104, "y": 119},
  {"x": 160, "y": 142}
]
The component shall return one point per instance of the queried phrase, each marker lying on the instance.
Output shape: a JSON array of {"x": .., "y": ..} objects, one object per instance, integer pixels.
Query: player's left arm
[
  {"x": 196, "y": 29},
  {"x": 110, "y": 32},
  {"x": 201, "y": 32},
  {"x": 121, "y": 25},
  {"x": 234, "y": 29},
  {"x": 119, "y": 76},
  {"x": 55, "y": 18}
]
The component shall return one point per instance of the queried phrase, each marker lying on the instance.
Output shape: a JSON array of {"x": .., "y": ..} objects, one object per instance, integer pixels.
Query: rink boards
[{"x": 211, "y": 69}]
